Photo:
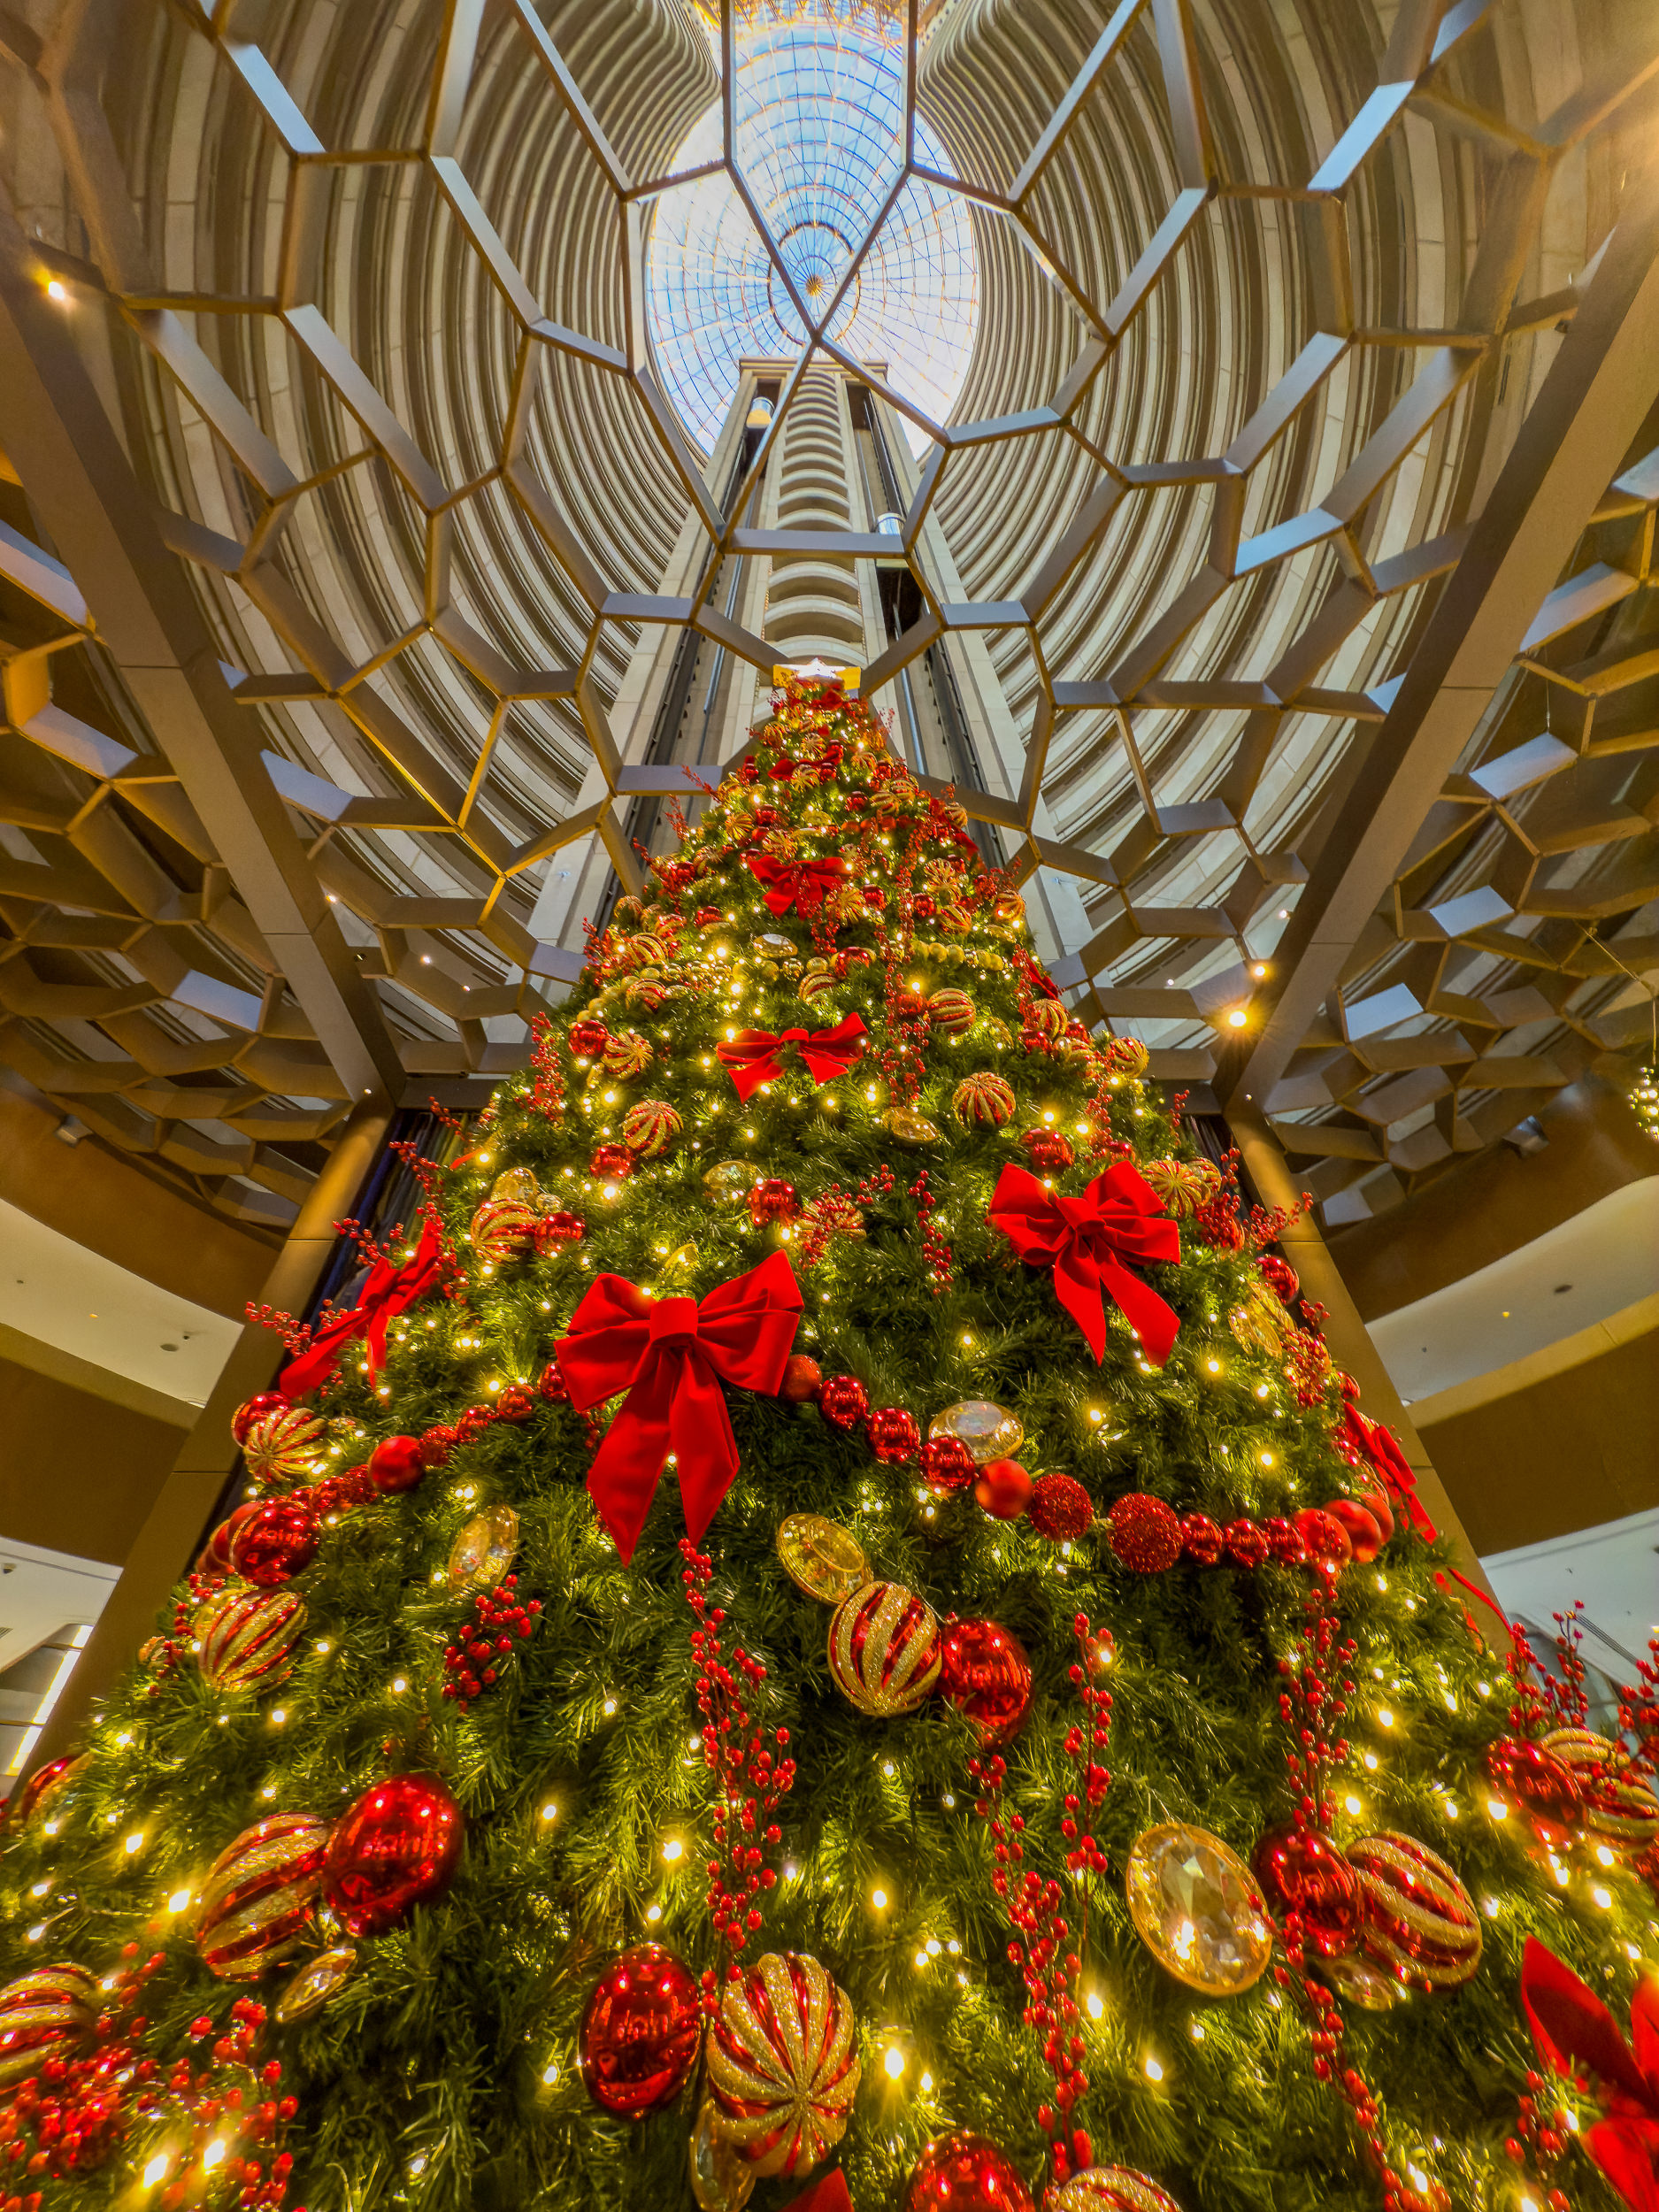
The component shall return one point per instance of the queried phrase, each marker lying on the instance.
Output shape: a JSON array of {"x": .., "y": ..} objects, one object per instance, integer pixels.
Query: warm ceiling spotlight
[
  {"x": 1259, "y": 971},
  {"x": 1237, "y": 1018},
  {"x": 56, "y": 291}
]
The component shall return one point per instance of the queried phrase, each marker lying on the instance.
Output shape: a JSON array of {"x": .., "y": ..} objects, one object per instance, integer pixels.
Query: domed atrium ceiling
[{"x": 1281, "y": 382}]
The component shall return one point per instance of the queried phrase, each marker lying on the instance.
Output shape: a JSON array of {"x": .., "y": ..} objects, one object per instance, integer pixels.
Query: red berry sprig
[{"x": 471, "y": 1662}]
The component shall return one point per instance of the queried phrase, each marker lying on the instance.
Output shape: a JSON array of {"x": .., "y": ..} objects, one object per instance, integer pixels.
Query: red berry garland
[{"x": 471, "y": 1662}]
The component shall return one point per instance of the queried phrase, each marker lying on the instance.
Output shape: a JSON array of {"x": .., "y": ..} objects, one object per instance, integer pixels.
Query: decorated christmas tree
[{"x": 821, "y": 1634}]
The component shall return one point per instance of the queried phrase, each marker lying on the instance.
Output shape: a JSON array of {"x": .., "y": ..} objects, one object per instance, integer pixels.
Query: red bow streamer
[
  {"x": 756, "y": 1057},
  {"x": 801, "y": 887},
  {"x": 386, "y": 1293},
  {"x": 1576, "y": 2034},
  {"x": 1360, "y": 1439},
  {"x": 1085, "y": 1241},
  {"x": 671, "y": 1356}
]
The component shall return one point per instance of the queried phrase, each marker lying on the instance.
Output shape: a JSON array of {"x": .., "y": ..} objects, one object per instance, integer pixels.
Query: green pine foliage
[{"x": 445, "y": 2074}]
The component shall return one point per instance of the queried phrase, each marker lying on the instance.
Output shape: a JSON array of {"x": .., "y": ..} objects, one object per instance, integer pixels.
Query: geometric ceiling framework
[{"x": 351, "y": 322}]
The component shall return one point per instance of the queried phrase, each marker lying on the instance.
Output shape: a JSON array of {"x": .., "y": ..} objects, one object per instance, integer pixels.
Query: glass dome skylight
[{"x": 820, "y": 123}]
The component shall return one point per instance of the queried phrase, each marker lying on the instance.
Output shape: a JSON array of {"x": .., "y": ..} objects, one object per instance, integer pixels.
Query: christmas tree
[{"x": 821, "y": 1634}]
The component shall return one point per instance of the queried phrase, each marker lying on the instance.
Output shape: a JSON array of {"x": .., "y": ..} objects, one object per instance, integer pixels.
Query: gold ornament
[
  {"x": 911, "y": 1129},
  {"x": 989, "y": 1431},
  {"x": 316, "y": 1981},
  {"x": 771, "y": 945},
  {"x": 50, "y": 2013},
  {"x": 626, "y": 1055},
  {"x": 518, "y": 1187},
  {"x": 783, "y": 2065},
  {"x": 1361, "y": 1982},
  {"x": 1046, "y": 1018},
  {"x": 283, "y": 1447},
  {"x": 1617, "y": 1806},
  {"x": 1010, "y": 911},
  {"x": 955, "y": 920},
  {"x": 729, "y": 1182},
  {"x": 503, "y": 1229},
  {"x": 1260, "y": 1324},
  {"x": 951, "y": 1013},
  {"x": 720, "y": 2181},
  {"x": 257, "y": 1901},
  {"x": 644, "y": 951},
  {"x": 824, "y": 1561},
  {"x": 983, "y": 1101},
  {"x": 248, "y": 1639},
  {"x": 815, "y": 985},
  {"x": 1109, "y": 2189},
  {"x": 484, "y": 1549},
  {"x": 1126, "y": 1055},
  {"x": 845, "y": 905},
  {"x": 1420, "y": 1922},
  {"x": 884, "y": 1650},
  {"x": 651, "y": 1128},
  {"x": 1198, "y": 1910},
  {"x": 1186, "y": 1187},
  {"x": 680, "y": 1260}
]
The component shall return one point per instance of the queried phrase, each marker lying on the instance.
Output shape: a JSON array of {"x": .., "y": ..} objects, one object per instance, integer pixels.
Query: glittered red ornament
[
  {"x": 516, "y": 1402},
  {"x": 472, "y": 1423},
  {"x": 588, "y": 1039},
  {"x": 395, "y": 1464},
  {"x": 1286, "y": 1546},
  {"x": 1279, "y": 1276},
  {"x": 801, "y": 1380},
  {"x": 947, "y": 1464},
  {"x": 1545, "y": 1788},
  {"x": 215, "y": 1555},
  {"x": 1247, "y": 1545},
  {"x": 1047, "y": 1150},
  {"x": 612, "y": 1163},
  {"x": 986, "y": 1674},
  {"x": 1202, "y": 1538},
  {"x": 844, "y": 1400},
  {"x": 1146, "y": 1534},
  {"x": 559, "y": 1227},
  {"x": 552, "y": 1385},
  {"x": 1326, "y": 1538},
  {"x": 875, "y": 898},
  {"x": 1363, "y": 1535},
  {"x": 965, "y": 2173},
  {"x": 1060, "y": 1508},
  {"x": 398, "y": 1847},
  {"x": 922, "y": 907},
  {"x": 706, "y": 916},
  {"x": 436, "y": 1444},
  {"x": 640, "y": 2033},
  {"x": 276, "y": 1542},
  {"x": 772, "y": 1199},
  {"x": 892, "y": 1436},
  {"x": 1004, "y": 1489},
  {"x": 1302, "y": 1872},
  {"x": 267, "y": 1402}
]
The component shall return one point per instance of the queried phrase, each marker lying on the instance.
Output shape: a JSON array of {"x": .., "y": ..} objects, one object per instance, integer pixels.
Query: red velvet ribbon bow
[
  {"x": 1576, "y": 2034},
  {"x": 671, "y": 1356},
  {"x": 801, "y": 885},
  {"x": 756, "y": 1057},
  {"x": 386, "y": 1293},
  {"x": 1359, "y": 1440},
  {"x": 1087, "y": 1240}
]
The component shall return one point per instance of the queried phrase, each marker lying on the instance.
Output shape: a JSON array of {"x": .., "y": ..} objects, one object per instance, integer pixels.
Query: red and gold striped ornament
[
  {"x": 1617, "y": 1807},
  {"x": 1186, "y": 1187},
  {"x": 283, "y": 1447},
  {"x": 46, "y": 2015},
  {"x": 260, "y": 1896},
  {"x": 884, "y": 1650},
  {"x": 247, "y": 1641},
  {"x": 651, "y": 1128},
  {"x": 625, "y": 1055},
  {"x": 955, "y": 920},
  {"x": 503, "y": 1229},
  {"x": 1419, "y": 1920},
  {"x": 1126, "y": 1055},
  {"x": 783, "y": 2065},
  {"x": 951, "y": 1013},
  {"x": 1109, "y": 2189},
  {"x": 44, "y": 1790},
  {"x": 819, "y": 984},
  {"x": 647, "y": 950},
  {"x": 1045, "y": 1018},
  {"x": 983, "y": 1101}
]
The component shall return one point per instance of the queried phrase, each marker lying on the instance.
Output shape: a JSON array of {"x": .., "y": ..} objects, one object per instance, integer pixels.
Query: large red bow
[
  {"x": 1576, "y": 2034},
  {"x": 671, "y": 1356},
  {"x": 802, "y": 886},
  {"x": 756, "y": 1057},
  {"x": 1085, "y": 1241},
  {"x": 386, "y": 1293},
  {"x": 1361, "y": 1439}
]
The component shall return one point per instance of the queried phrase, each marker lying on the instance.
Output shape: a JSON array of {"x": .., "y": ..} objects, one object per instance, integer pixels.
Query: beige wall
[{"x": 77, "y": 1474}]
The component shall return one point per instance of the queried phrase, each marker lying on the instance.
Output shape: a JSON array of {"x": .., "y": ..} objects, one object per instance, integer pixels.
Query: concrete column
[{"x": 169, "y": 1537}]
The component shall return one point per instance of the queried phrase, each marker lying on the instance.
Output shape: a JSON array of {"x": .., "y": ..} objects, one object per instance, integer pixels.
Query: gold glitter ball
[
  {"x": 316, "y": 1981},
  {"x": 1197, "y": 1908},
  {"x": 729, "y": 1182},
  {"x": 826, "y": 1562},
  {"x": 989, "y": 1431},
  {"x": 484, "y": 1549}
]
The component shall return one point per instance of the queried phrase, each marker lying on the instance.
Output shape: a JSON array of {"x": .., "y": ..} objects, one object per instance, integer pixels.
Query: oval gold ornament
[
  {"x": 824, "y": 1561},
  {"x": 484, "y": 1549},
  {"x": 1198, "y": 1908},
  {"x": 316, "y": 1981},
  {"x": 989, "y": 1431}
]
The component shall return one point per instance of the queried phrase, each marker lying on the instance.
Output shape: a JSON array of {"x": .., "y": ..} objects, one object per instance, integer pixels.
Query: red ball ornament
[
  {"x": 923, "y": 908},
  {"x": 1247, "y": 1546},
  {"x": 1302, "y": 1872},
  {"x": 1545, "y": 1787},
  {"x": 1004, "y": 1489},
  {"x": 612, "y": 1163},
  {"x": 1328, "y": 1543},
  {"x": 844, "y": 1400},
  {"x": 395, "y": 1464},
  {"x": 436, "y": 1444},
  {"x": 559, "y": 1227},
  {"x": 948, "y": 1464},
  {"x": 801, "y": 1380},
  {"x": 1279, "y": 1276},
  {"x": 1202, "y": 1538},
  {"x": 552, "y": 1385},
  {"x": 276, "y": 1542},
  {"x": 1060, "y": 1509},
  {"x": 858, "y": 801},
  {"x": 986, "y": 1675},
  {"x": 1146, "y": 1534},
  {"x": 771, "y": 1199},
  {"x": 1285, "y": 1545},
  {"x": 640, "y": 2033},
  {"x": 1377, "y": 1504},
  {"x": 1363, "y": 1535},
  {"x": 215, "y": 1554},
  {"x": 965, "y": 2173},
  {"x": 892, "y": 1436},
  {"x": 588, "y": 1039},
  {"x": 472, "y": 1423},
  {"x": 257, "y": 1409},
  {"x": 1048, "y": 1150},
  {"x": 516, "y": 1403},
  {"x": 398, "y": 1847}
]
